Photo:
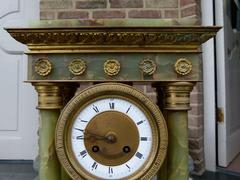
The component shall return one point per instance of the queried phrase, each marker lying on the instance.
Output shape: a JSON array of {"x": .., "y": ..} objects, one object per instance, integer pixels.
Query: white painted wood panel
[
  {"x": 228, "y": 88},
  {"x": 19, "y": 120},
  {"x": 9, "y": 92}
]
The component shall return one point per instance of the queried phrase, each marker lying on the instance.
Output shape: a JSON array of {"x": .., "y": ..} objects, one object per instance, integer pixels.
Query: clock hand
[
  {"x": 110, "y": 138},
  {"x": 89, "y": 135}
]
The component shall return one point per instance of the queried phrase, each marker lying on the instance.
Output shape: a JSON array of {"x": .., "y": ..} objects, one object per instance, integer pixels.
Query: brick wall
[
  {"x": 102, "y": 9},
  {"x": 152, "y": 9},
  {"x": 195, "y": 126}
]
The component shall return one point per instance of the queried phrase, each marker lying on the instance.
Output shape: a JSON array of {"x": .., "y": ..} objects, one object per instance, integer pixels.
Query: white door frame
[
  {"x": 220, "y": 58},
  {"x": 209, "y": 89}
]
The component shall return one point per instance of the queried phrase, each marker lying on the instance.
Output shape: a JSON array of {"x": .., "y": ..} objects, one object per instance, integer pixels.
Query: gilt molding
[
  {"x": 108, "y": 38},
  {"x": 49, "y": 95},
  {"x": 177, "y": 95}
]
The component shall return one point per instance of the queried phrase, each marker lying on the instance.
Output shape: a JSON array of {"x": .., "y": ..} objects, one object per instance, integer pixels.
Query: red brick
[
  {"x": 195, "y": 121},
  {"x": 197, "y": 155},
  {"x": 196, "y": 109},
  {"x": 196, "y": 144},
  {"x": 198, "y": 87},
  {"x": 73, "y": 15},
  {"x": 108, "y": 14},
  {"x": 126, "y": 3},
  {"x": 92, "y": 4},
  {"x": 195, "y": 133},
  {"x": 199, "y": 167},
  {"x": 140, "y": 86},
  {"x": 161, "y": 3},
  {"x": 196, "y": 98},
  {"x": 56, "y": 5},
  {"x": 150, "y": 89},
  {"x": 186, "y": 2},
  {"x": 190, "y": 11},
  {"x": 152, "y": 96},
  {"x": 144, "y": 14},
  {"x": 171, "y": 14},
  {"x": 46, "y": 15}
]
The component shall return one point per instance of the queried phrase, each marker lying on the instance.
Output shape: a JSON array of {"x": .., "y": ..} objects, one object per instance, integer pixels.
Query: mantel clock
[{"x": 111, "y": 130}]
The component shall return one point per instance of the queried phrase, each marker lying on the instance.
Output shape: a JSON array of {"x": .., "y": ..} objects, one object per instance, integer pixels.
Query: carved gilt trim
[
  {"x": 180, "y": 37},
  {"x": 183, "y": 66},
  {"x": 43, "y": 67},
  {"x": 148, "y": 66},
  {"x": 112, "y": 67},
  {"x": 77, "y": 67}
]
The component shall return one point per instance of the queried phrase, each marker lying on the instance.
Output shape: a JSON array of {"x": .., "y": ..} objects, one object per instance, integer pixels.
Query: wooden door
[
  {"x": 18, "y": 121},
  {"x": 228, "y": 84}
]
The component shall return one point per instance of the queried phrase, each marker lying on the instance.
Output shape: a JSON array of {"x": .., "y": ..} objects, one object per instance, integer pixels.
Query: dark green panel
[{"x": 129, "y": 67}]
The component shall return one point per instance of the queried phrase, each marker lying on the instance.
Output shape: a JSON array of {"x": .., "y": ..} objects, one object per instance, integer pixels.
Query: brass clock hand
[
  {"x": 110, "y": 137},
  {"x": 89, "y": 135}
]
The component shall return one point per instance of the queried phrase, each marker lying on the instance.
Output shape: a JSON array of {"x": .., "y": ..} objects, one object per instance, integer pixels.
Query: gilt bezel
[{"x": 106, "y": 90}]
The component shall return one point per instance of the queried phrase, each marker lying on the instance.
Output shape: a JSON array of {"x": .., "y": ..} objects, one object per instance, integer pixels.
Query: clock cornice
[{"x": 113, "y": 38}]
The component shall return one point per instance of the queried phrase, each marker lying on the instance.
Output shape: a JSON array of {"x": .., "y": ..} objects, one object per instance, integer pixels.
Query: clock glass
[{"x": 111, "y": 138}]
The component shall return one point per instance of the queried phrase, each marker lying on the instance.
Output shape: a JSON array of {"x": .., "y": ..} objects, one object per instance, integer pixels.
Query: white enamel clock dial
[
  {"x": 99, "y": 169},
  {"x": 111, "y": 131}
]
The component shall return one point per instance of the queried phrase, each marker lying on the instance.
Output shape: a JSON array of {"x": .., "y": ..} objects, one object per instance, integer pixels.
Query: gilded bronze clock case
[{"x": 111, "y": 90}]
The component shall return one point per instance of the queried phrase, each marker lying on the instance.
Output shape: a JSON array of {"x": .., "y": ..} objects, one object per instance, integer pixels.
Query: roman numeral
[
  {"x": 128, "y": 166},
  {"x": 79, "y": 137},
  {"x": 83, "y": 153},
  {"x": 95, "y": 165},
  {"x": 84, "y": 121},
  {"x": 144, "y": 139},
  {"x": 79, "y": 129},
  {"x": 139, "y": 155},
  {"x": 110, "y": 170},
  {"x": 111, "y": 105},
  {"x": 95, "y": 108},
  {"x": 128, "y": 109},
  {"x": 140, "y": 122}
]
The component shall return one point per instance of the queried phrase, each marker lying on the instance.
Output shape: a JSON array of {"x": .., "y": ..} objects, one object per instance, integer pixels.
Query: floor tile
[{"x": 216, "y": 176}]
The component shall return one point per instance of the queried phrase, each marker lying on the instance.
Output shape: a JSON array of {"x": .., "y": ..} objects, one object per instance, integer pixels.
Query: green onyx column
[
  {"x": 50, "y": 102},
  {"x": 177, "y": 103}
]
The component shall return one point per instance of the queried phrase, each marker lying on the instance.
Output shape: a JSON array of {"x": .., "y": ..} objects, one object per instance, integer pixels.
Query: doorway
[{"x": 227, "y": 14}]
